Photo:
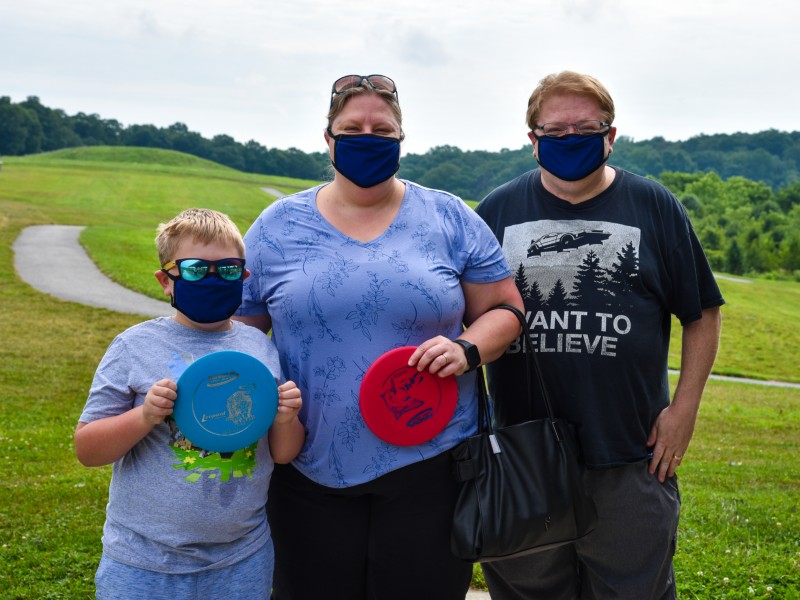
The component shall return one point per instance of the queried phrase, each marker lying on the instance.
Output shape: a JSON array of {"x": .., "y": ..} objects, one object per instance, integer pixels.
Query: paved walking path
[
  {"x": 50, "y": 259},
  {"x": 273, "y": 192}
]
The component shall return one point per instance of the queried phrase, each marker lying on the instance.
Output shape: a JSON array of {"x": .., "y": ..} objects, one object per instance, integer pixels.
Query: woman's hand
[{"x": 439, "y": 356}]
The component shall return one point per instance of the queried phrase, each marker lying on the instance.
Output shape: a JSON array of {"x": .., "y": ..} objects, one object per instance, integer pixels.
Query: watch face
[
  {"x": 473, "y": 357},
  {"x": 471, "y": 352}
]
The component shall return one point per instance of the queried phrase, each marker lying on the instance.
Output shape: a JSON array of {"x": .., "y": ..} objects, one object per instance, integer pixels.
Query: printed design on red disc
[{"x": 404, "y": 406}]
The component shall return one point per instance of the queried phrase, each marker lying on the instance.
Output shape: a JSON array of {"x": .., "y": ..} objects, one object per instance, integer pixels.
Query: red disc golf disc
[{"x": 404, "y": 406}]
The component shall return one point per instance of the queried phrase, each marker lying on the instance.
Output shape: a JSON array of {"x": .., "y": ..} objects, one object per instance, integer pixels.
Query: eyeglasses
[
  {"x": 583, "y": 127},
  {"x": 195, "y": 269},
  {"x": 376, "y": 82}
]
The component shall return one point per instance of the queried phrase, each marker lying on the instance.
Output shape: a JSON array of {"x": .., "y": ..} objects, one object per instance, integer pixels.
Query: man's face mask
[{"x": 572, "y": 157}]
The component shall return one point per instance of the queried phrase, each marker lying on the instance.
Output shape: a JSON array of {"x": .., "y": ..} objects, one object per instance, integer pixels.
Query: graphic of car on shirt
[{"x": 565, "y": 241}]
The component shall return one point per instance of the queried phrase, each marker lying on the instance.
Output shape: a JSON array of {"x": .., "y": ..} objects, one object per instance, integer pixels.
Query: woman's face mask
[{"x": 365, "y": 159}]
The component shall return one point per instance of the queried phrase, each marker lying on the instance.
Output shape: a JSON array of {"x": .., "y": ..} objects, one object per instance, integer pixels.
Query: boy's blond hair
[{"x": 202, "y": 225}]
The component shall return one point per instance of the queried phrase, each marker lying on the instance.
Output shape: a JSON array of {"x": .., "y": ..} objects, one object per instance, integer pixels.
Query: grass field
[{"x": 740, "y": 532}]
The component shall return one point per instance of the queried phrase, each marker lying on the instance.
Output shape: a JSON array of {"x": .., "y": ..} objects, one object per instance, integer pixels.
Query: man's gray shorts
[{"x": 628, "y": 555}]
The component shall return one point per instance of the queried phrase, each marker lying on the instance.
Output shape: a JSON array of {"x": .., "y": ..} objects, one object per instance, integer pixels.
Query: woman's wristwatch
[{"x": 472, "y": 354}]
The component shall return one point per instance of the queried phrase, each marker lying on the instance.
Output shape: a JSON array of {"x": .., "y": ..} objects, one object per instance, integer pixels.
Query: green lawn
[{"x": 739, "y": 537}]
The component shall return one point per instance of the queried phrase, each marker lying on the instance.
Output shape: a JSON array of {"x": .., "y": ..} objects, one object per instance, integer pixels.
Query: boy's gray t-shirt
[{"x": 172, "y": 508}]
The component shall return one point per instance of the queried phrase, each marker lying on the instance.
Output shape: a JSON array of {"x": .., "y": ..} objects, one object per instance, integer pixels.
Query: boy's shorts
[{"x": 250, "y": 578}]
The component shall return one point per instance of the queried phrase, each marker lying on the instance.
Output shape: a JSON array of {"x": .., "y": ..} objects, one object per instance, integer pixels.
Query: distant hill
[{"x": 131, "y": 154}]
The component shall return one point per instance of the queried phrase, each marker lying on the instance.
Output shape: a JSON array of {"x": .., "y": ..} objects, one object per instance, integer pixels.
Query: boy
[{"x": 182, "y": 522}]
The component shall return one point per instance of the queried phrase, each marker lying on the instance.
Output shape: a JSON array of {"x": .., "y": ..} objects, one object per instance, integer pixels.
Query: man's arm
[{"x": 674, "y": 427}]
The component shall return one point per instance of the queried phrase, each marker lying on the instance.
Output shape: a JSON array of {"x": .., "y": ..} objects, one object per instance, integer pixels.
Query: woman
[{"x": 342, "y": 273}]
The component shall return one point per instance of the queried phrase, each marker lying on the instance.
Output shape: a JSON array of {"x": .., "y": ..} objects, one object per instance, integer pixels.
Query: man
[{"x": 602, "y": 258}]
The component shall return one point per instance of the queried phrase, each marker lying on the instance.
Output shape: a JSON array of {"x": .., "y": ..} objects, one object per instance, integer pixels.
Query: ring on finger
[{"x": 444, "y": 356}]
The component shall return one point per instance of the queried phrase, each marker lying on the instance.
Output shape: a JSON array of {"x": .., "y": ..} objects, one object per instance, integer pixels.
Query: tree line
[
  {"x": 29, "y": 127},
  {"x": 741, "y": 190}
]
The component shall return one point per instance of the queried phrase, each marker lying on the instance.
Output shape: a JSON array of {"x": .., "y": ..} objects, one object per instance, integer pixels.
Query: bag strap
[{"x": 532, "y": 368}]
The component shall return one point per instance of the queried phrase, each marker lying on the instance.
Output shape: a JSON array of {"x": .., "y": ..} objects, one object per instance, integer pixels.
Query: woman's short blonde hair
[
  {"x": 202, "y": 225},
  {"x": 569, "y": 83},
  {"x": 339, "y": 101}
]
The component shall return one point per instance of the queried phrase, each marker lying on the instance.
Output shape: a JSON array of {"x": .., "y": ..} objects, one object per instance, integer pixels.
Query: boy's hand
[
  {"x": 286, "y": 436},
  {"x": 159, "y": 401},
  {"x": 289, "y": 402}
]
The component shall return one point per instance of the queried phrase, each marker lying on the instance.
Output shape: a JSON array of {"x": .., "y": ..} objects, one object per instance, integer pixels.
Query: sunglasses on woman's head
[
  {"x": 195, "y": 269},
  {"x": 376, "y": 82}
]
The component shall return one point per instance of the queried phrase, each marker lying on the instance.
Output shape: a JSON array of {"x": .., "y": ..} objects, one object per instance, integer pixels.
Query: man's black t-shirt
[{"x": 600, "y": 280}]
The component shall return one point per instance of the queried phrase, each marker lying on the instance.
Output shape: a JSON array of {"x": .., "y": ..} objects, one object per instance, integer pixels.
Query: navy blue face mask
[
  {"x": 209, "y": 300},
  {"x": 572, "y": 157},
  {"x": 365, "y": 159}
]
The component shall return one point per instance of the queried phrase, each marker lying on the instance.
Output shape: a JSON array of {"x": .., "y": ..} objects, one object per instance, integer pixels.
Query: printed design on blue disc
[{"x": 226, "y": 401}]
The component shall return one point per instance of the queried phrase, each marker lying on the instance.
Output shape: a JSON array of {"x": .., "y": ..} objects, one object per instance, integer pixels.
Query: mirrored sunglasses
[{"x": 195, "y": 269}]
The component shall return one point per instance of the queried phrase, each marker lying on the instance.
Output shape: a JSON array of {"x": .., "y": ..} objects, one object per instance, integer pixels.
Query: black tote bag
[{"x": 522, "y": 488}]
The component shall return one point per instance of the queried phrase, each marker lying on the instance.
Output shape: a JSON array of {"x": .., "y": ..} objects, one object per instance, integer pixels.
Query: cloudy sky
[{"x": 262, "y": 69}]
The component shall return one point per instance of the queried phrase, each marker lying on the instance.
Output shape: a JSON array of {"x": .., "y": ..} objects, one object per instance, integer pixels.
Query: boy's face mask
[
  {"x": 207, "y": 301},
  {"x": 205, "y": 296}
]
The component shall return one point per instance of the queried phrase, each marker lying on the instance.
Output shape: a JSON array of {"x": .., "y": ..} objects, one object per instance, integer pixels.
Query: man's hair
[
  {"x": 202, "y": 225},
  {"x": 339, "y": 100},
  {"x": 569, "y": 83}
]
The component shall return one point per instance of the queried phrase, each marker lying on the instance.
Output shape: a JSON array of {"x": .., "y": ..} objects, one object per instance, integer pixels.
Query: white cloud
[{"x": 464, "y": 69}]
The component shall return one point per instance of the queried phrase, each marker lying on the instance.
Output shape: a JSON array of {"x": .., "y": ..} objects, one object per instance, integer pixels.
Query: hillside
[
  {"x": 129, "y": 155},
  {"x": 122, "y": 195}
]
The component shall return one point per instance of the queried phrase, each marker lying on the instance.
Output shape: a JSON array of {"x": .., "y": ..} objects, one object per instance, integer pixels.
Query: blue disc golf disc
[{"x": 226, "y": 401}]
